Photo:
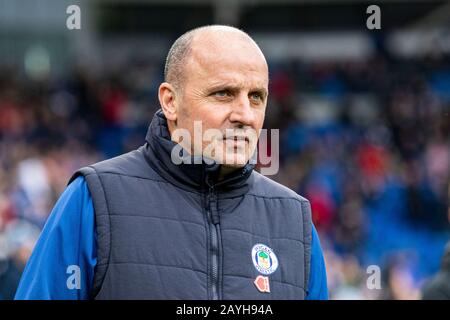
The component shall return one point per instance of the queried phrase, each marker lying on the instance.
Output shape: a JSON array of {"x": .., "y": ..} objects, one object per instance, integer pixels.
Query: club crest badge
[{"x": 264, "y": 259}]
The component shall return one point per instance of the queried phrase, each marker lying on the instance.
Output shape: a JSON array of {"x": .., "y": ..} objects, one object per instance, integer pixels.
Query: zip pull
[
  {"x": 212, "y": 205},
  {"x": 215, "y": 216}
]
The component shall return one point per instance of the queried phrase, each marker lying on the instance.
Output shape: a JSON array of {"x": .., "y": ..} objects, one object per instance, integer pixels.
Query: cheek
[
  {"x": 212, "y": 118},
  {"x": 199, "y": 117},
  {"x": 259, "y": 119},
  {"x": 193, "y": 107},
  {"x": 187, "y": 113}
]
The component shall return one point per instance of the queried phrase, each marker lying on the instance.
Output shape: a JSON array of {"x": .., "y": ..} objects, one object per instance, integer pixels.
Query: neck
[{"x": 225, "y": 171}]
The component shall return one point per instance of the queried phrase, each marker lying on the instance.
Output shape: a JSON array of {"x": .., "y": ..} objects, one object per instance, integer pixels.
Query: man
[{"x": 146, "y": 226}]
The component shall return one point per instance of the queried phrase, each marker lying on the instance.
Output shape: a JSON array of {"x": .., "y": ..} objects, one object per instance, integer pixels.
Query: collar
[{"x": 189, "y": 176}]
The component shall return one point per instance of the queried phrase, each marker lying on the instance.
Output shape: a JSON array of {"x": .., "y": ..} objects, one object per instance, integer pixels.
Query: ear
[{"x": 167, "y": 99}]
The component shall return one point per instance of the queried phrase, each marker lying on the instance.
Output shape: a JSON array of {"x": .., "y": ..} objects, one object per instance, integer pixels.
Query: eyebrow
[{"x": 235, "y": 88}]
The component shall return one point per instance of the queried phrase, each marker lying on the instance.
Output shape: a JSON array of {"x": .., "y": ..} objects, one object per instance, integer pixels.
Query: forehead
[{"x": 230, "y": 61}]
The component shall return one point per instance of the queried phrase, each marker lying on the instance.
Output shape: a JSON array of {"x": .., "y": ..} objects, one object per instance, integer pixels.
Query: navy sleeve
[
  {"x": 317, "y": 288},
  {"x": 63, "y": 260}
]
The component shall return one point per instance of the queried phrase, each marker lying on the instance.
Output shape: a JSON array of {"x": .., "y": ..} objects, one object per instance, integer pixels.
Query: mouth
[{"x": 237, "y": 138}]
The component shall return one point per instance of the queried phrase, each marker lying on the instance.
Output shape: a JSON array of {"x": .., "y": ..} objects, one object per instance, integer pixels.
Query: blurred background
[{"x": 363, "y": 117}]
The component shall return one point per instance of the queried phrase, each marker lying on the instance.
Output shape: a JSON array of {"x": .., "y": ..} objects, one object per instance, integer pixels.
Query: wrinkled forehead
[{"x": 233, "y": 58}]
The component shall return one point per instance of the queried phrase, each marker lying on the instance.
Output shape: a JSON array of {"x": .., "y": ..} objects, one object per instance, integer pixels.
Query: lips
[{"x": 237, "y": 138}]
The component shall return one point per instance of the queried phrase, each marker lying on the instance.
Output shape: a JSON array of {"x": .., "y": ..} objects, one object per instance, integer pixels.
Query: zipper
[
  {"x": 214, "y": 234},
  {"x": 215, "y": 283}
]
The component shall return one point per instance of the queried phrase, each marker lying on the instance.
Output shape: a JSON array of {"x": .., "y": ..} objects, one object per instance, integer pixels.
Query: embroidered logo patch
[{"x": 264, "y": 259}]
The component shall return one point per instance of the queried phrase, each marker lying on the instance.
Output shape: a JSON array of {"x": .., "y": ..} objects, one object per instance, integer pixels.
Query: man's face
[{"x": 225, "y": 88}]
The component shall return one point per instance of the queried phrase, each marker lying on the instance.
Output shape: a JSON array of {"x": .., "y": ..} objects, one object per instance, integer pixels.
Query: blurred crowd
[{"x": 367, "y": 142}]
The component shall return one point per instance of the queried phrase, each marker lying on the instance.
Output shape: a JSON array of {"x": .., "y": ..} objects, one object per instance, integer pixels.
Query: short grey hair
[{"x": 173, "y": 69}]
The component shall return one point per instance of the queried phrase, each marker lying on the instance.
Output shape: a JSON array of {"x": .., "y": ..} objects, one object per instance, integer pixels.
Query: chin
[{"x": 235, "y": 160}]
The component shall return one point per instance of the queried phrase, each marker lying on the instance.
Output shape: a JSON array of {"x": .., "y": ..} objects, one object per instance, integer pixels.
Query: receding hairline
[{"x": 181, "y": 48}]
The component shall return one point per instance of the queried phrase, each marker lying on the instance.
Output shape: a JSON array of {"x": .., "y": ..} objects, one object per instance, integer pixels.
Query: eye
[
  {"x": 256, "y": 96},
  {"x": 221, "y": 93}
]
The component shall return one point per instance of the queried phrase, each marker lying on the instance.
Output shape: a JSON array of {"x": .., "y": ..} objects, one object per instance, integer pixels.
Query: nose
[{"x": 242, "y": 112}]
